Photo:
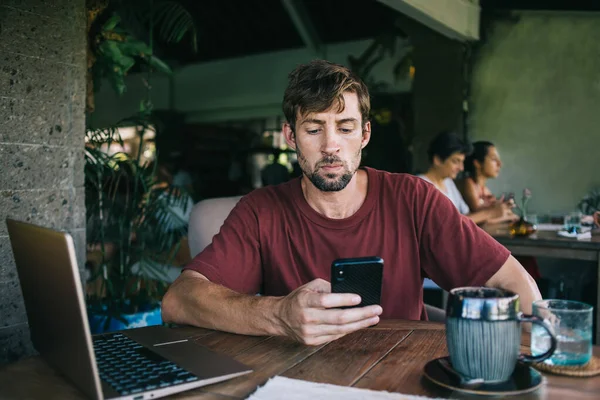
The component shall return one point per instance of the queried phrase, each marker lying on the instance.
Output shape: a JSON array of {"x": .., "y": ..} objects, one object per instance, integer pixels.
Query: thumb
[{"x": 319, "y": 285}]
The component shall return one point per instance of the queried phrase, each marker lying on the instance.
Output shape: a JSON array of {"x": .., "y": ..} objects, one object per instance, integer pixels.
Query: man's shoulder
[
  {"x": 400, "y": 181},
  {"x": 268, "y": 196}
]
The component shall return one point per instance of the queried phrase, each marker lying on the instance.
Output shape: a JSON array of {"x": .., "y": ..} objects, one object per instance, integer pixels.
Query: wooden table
[
  {"x": 549, "y": 244},
  {"x": 388, "y": 357}
]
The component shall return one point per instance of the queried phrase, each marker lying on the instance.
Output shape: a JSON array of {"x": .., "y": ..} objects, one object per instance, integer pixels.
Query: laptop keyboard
[{"x": 131, "y": 368}]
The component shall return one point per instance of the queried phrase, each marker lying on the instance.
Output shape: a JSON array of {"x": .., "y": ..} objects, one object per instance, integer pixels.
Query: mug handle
[{"x": 527, "y": 358}]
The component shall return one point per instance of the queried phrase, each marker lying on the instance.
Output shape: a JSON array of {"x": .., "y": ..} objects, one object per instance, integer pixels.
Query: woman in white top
[{"x": 446, "y": 156}]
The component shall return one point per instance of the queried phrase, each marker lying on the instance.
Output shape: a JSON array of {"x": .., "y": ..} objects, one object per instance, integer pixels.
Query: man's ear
[
  {"x": 366, "y": 134},
  {"x": 290, "y": 136}
]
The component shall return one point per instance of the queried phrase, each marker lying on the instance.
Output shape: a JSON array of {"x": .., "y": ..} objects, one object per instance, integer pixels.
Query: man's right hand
[
  {"x": 502, "y": 212},
  {"x": 311, "y": 314}
]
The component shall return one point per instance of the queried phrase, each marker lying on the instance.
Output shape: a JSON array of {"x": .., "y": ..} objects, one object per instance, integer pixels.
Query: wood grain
[
  {"x": 401, "y": 370},
  {"x": 268, "y": 358},
  {"x": 229, "y": 343},
  {"x": 346, "y": 360},
  {"x": 388, "y": 357},
  {"x": 394, "y": 323},
  {"x": 31, "y": 378}
]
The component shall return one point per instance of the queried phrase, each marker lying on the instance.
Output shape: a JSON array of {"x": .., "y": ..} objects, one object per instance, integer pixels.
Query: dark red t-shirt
[{"x": 273, "y": 242}]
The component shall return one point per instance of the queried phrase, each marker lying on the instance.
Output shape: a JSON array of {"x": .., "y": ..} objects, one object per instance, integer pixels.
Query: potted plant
[{"x": 134, "y": 229}]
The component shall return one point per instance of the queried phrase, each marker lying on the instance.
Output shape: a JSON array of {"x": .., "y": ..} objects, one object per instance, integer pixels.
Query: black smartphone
[{"x": 362, "y": 276}]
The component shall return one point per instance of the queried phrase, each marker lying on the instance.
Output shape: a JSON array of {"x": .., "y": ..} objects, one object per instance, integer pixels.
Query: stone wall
[
  {"x": 535, "y": 94},
  {"x": 42, "y": 126}
]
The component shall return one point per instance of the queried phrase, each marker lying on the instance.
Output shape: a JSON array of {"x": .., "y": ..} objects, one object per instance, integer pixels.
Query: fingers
[
  {"x": 317, "y": 340},
  {"x": 346, "y": 316},
  {"x": 313, "y": 334},
  {"x": 329, "y": 300},
  {"x": 318, "y": 285}
]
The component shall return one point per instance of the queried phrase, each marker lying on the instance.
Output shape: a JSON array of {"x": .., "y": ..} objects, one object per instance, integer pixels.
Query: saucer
[{"x": 523, "y": 380}]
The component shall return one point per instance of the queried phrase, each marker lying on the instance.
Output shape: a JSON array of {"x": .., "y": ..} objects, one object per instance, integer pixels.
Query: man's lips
[{"x": 331, "y": 166}]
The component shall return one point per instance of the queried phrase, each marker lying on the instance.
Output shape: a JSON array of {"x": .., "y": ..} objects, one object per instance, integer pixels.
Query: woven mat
[{"x": 590, "y": 369}]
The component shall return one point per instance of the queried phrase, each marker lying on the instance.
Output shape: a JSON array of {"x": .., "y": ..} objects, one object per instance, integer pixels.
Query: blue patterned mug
[{"x": 483, "y": 333}]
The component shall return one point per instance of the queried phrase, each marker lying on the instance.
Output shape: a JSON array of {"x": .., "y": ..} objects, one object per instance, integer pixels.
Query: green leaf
[
  {"x": 111, "y": 23},
  {"x": 174, "y": 21},
  {"x": 126, "y": 63},
  {"x": 110, "y": 49},
  {"x": 134, "y": 47},
  {"x": 159, "y": 65}
]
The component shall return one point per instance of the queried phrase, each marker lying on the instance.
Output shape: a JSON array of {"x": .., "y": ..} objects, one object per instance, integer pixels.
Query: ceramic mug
[{"x": 483, "y": 333}]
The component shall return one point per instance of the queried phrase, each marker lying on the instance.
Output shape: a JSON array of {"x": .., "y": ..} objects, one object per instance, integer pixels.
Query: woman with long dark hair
[
  {"x": 482, "y": 164},
  {"x": 447, "y": 154}
]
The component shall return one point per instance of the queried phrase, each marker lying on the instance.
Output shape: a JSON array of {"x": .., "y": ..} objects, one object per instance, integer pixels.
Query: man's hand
[
  {"x": 310, "y": 314},
  {"x": 501, "y": 211}
]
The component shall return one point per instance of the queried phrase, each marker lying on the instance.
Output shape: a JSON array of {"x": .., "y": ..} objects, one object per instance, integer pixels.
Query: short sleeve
[
  {"x": 454, "y": 251},
  {"x": 233, "y": 258}
]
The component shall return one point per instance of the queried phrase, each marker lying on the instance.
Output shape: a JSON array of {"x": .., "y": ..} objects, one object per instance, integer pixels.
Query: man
[
  {"x": 280, "y": 240},
  {"x": 446, "y": 157}
]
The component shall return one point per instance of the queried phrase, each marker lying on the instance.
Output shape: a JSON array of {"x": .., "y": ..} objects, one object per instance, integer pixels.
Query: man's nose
[{"x": 331, "y": 142}]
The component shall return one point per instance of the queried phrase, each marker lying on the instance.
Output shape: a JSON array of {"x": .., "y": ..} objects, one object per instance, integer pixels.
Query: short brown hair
[{"x": 316, "y": 86}]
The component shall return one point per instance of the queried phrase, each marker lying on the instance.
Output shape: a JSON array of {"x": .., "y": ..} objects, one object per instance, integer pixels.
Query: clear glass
[
  {"x": 571, "y": 322},
  {"x": 532, "y": 218},
  {"x": 573, "y": 222}
]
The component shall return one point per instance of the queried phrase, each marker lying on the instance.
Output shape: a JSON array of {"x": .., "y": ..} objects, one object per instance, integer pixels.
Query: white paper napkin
[
  {"x": 294, "y": 389},
  {"x": 586, "y": 233}
]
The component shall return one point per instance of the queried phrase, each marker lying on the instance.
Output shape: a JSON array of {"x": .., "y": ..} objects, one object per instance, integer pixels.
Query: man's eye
[
  {"x": 345, "y": 130},
  {"x": 313, "y": 131}
]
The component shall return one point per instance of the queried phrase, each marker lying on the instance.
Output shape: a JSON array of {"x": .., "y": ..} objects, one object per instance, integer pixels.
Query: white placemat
[{"x": 293, "y": 389}]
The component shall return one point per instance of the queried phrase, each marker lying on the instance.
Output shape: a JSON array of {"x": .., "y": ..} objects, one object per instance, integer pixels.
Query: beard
[{"x": 329, "y": 182}]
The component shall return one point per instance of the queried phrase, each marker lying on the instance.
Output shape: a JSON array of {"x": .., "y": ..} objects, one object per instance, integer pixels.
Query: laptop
[{"x": 142, "y": 363}]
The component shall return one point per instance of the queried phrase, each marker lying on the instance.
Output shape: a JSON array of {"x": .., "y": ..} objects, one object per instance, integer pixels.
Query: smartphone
[{"x": 362, "y": 276}]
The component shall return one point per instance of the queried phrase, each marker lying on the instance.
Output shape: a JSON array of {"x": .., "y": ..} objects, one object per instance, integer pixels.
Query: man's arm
[
  {"x": 512, "y": 276},
  {"x": 497, "y": 213},
  {"x": 309, "y": 314}
]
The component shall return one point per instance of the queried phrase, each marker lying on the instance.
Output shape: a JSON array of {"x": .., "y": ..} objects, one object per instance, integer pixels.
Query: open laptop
[{"x": 143, "y": 363}]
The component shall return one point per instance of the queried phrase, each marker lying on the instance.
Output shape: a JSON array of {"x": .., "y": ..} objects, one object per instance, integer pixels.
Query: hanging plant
[{"x": 116, "y": 37}]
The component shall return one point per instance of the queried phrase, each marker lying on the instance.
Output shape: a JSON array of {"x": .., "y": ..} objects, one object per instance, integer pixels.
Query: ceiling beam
[
  {"x": 456, "y": 19},
  {"x": 301, "y": 20}
]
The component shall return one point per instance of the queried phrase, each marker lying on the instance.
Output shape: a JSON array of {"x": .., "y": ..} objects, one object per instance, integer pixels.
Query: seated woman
[
  {"x": 447, "y": 154},
  {"x": 482, "y": 164}
]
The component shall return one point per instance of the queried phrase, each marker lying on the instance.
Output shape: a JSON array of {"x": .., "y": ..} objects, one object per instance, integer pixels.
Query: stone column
[{"x": 42, "y": 128}]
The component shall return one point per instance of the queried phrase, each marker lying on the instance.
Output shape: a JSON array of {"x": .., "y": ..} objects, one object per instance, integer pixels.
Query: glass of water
[
  {"x": 573, "y": 222},
  {"x": 571, "y": 322}
]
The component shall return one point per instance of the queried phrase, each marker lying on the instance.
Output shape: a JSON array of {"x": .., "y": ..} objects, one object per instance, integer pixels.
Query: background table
[
  {"x": 388, "y": 357},
  {"x": 549, "y": 244}
]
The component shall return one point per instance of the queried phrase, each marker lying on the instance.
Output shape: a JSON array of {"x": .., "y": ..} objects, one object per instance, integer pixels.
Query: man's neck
[
  {"x": 436, "y": 179},
  {"x": 340, "y": 204}
]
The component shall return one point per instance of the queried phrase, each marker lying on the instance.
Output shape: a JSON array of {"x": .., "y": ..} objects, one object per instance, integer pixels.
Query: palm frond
[
  {"x": 174, "y": 22},
  {"x": 127, "y": 208}
]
